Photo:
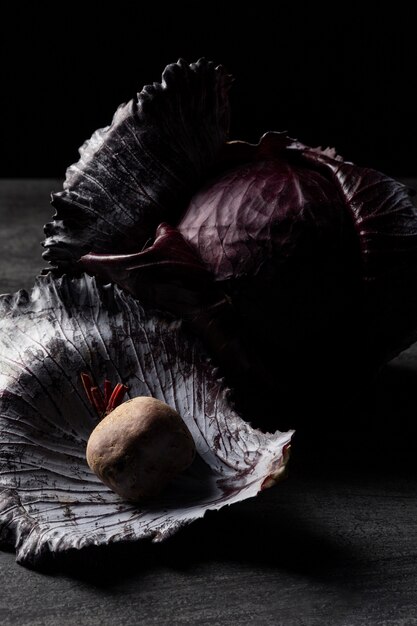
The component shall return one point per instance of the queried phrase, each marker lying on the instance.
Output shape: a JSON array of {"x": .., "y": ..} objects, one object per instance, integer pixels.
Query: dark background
[{"x": 341, "y": 76}]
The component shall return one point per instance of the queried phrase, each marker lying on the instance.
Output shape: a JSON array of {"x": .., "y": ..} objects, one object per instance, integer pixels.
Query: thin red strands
[
  {"x": 116, "y": 397},
  {"x": 87, "y": 384},
  {"x": 107, "y": 392},
  {"x": 103, "y": 403},
  {"x": 98, "y": 400}
]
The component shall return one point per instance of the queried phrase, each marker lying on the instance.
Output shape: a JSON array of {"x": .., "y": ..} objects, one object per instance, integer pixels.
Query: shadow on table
[{"x": 254, "y": 536}]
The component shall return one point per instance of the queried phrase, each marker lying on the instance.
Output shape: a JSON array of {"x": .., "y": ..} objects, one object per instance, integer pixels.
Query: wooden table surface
[{"x": 336, "y": 544}]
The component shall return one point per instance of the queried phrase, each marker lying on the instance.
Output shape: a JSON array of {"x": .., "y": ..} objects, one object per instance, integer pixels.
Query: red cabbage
[{"x": 295, "y": 266}]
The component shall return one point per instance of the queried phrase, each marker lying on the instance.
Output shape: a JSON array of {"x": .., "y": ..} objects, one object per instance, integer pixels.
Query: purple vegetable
[{"x": 297, "y": 268}]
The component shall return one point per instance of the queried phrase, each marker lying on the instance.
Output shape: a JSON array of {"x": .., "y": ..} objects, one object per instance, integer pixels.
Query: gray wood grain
[
  {"x": 24, "y": 208},
  {"x": 335, "y": 544}
]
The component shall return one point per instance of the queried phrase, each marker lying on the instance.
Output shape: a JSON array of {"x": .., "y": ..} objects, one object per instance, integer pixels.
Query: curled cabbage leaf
[
  {"x": 142, "y": 168},
  {"x": 50, "y": 501}
]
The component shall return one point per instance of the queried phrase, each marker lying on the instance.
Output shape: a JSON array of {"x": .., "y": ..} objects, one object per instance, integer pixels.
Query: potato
[{"x": 139, "y": 448}]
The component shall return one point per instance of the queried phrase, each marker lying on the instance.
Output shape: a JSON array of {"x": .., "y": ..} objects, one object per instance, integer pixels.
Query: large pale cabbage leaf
[{"x": 50, "y": 501}]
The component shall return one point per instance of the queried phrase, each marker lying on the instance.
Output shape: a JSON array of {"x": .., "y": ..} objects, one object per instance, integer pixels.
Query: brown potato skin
[{"x": 140, "y": 447}]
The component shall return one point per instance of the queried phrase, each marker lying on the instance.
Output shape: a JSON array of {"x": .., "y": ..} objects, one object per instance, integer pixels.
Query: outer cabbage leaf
[
  {"x": 143, "y": 168},
  {"x": 50, "y": 501}
]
